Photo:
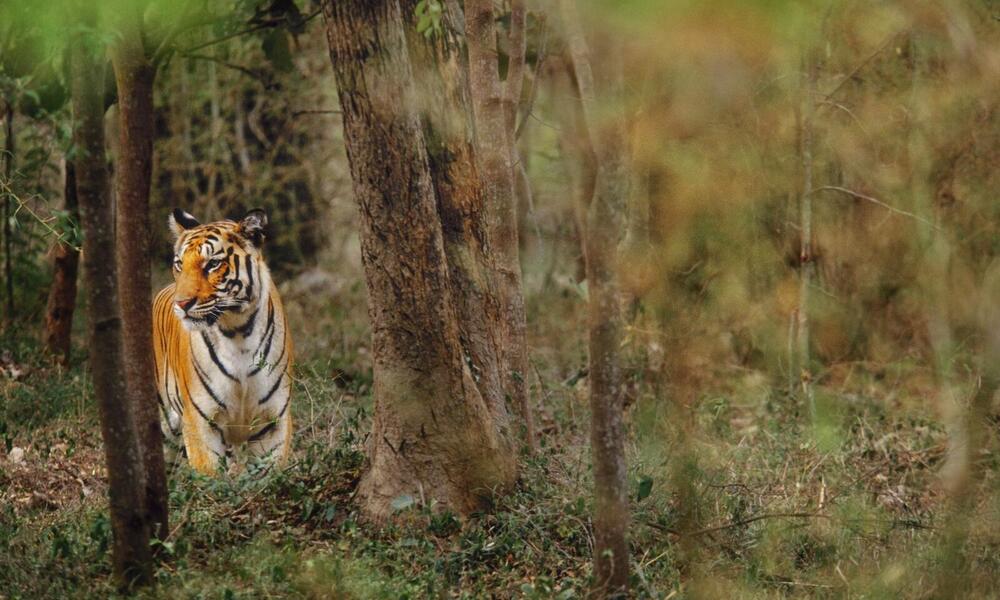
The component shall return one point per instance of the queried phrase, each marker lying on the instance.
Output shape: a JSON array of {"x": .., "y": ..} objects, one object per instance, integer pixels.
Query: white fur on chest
[{"x": 241, "y": 365}]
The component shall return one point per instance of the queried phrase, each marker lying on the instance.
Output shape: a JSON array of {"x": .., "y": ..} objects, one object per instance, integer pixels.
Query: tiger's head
[{"x": 218, "y": 268}]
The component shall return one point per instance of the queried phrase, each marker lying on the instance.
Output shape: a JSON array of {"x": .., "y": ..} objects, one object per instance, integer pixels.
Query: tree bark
[
  {"x": 131, "y": 553},
  {"x": 134, "y": 75},
  {"x": 433, "y": 433},
  {"x": 62, "y": 293},
  {"x": 494, "y": 144},
  {"x": 443, "y": 104},
  {"x": 604, "y": 229}
]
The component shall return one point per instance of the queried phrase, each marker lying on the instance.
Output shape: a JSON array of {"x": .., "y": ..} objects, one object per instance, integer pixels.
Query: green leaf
[
  {"x": 276, "y": 49},
  {"x": 645, "y": 487},
  {"x": 423, "y": 23},
  {"x": 168, "y": 547},
  {"x": 402, "y": 502},
  {"x": 428, "y": 13}
]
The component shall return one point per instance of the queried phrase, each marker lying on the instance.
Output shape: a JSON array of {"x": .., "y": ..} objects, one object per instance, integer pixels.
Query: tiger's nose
[{"x": 185, "y": 305}]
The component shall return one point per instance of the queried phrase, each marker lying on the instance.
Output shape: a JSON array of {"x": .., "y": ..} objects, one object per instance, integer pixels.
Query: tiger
[{"x": 222, "y": 346}]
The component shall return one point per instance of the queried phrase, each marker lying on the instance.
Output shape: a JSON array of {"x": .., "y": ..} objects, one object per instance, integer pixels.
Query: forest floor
[{"x": 736, "y": 494}]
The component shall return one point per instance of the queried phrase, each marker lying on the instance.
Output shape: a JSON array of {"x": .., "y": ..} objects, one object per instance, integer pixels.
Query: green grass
[{"x": 735, "y": 494}]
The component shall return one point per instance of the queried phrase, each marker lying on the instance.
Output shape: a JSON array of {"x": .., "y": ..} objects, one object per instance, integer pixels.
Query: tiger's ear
[
  {"x": 252, "y": 226},
  {"x": 180, "y": 221}
]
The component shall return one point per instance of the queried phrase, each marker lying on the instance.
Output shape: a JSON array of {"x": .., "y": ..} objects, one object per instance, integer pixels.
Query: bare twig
[
  {"x": 242, "y": 32},
  {"x": 853, "y": 116},
  {"x": 61, "y": 237},
  {"x": 318, "y": 111},
  {"x": 741, "y": 522},
  {"x": 259, "y": 76},
  {"x": 764, "y": 516},
  {"x": 864, "y": 63},
  {"x": 533, "y": 90},
  {"x": 877, "y": 202}
]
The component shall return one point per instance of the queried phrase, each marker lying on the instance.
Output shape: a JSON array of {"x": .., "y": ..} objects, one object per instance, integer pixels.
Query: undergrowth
[{"x": 735, "y": 495}]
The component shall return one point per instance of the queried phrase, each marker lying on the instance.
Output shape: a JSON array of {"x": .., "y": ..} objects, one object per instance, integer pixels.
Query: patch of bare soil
[{"x": 37, "y": 480}]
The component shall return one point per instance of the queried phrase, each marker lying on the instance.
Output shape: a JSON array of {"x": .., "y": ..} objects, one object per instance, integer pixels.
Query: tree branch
[
  {"x": 259, "y": 76},
  {"x": 533, "y": 88},
  {"x": 165, "y": 46},
  {"x": 764, "y": 516},
  {"x": 864, "y": 63},
  {"x": 582, "y": 73},
  {"x": 318, "y": 111},
  {"x": 61, "y": 236},
  {"x": 229, "y": 36},
  {"x": 876, "y": 201}
]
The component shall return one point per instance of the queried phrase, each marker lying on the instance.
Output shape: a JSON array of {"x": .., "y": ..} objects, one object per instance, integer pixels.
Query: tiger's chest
[{"x": 237, "y": 369}]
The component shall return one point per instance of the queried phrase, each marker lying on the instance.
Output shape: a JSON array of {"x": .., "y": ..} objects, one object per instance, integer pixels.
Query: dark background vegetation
[{"x": 740, "y": 487}]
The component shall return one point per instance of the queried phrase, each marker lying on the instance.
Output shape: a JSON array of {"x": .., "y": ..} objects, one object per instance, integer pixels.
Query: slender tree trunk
[
  {"x": 62, "y": 293},
  {"x": 126, "y": 486},
  {"x": 215, "y": 110},
  {"x": 604, "y": 229},
  {"x": 934, "y": 276},
  {"x": 793, "y": 360},
  {"x": 134, "y": 75},
  {"x": 969, "y": 433},
  {"x": 967, "y": 423},
  {"x": 806, "y": 263},
  {"x": 433, "y": 434},
  {"x": 582, "y": 168},
  {"x": 8, "y": 173},
  {"x": 494, "y": 144},
  {"x": 636, "y": 249},
  {"x": 515, "y": 72},
  {"x": 513, "y": 86}
]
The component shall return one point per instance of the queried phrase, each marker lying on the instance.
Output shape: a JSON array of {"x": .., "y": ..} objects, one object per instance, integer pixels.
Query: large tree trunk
[
  {"x": 126, "y": 487},
  {"x": 134, "y": 75},
  {"x": 494, "y": 149},
  {"x": 62, "y": 293},
  {"x": 604, "y": 229},
  {"x": 433, "y": 434}
]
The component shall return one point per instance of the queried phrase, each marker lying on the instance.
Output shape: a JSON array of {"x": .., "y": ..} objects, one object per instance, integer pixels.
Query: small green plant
[{"x": 428, "y": 13}]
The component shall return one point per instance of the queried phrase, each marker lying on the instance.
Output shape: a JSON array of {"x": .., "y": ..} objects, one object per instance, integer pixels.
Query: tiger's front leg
[
  {"x": 203, "y": 440},
  {"x": 273, "y": 440},
  {"x": 274, "y": 436}
]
